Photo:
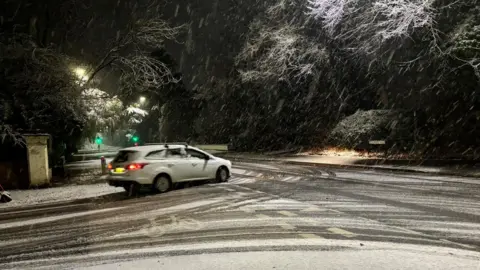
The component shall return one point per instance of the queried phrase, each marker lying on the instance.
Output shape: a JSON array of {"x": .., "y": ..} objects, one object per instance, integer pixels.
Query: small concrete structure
[{"x": 37, "y": 152}]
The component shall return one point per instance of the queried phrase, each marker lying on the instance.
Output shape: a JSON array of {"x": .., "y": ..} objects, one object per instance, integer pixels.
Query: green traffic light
[
  {"x": 135, "y": 139},
  {"x": 98, "y": 141}
]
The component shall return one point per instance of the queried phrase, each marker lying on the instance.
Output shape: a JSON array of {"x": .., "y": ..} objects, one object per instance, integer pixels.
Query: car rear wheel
[
  {"x": 162, "y": 183},
  {"x": 222, "y": 175}
]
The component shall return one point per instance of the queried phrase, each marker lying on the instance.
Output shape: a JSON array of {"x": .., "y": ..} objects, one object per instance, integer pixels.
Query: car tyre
[
  {"x": 162, "y": 183},
  {"x": 222, "y": 175}
]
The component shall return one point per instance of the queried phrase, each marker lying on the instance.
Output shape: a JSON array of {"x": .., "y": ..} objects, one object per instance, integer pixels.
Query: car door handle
[{"x": 194, "y": 164}]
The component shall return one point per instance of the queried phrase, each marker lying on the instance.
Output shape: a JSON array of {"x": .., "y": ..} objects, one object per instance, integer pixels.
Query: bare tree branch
[
  {"x": 143, "y": 72},
  {"x": 141, "y": 36},
  {"x": 279, "y": 54}
]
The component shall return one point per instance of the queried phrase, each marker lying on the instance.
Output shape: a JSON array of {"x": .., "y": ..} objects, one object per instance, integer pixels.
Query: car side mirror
[{"x": 207, "y": 157}]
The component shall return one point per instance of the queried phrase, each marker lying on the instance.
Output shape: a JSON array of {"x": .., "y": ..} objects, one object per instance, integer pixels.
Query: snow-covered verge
[{"x": 58, "y": 194}]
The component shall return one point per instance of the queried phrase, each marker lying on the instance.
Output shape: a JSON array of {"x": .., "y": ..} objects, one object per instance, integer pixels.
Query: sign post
[
  {"x": 379, "y": 142},
  {"x": 103, "y": 164}
]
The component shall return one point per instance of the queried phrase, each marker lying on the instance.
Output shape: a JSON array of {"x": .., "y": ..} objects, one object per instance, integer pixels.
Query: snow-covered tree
[
  {"x": 278, "y": 48},
  {"x": 129, "y": 55},
  {"x": 135, "y": 115},
  {"x": 279, "y": 54},
  {"x": 103, "y": 111},
  {"x": 38, "y": 89},
  {"x": 367, "y": 25}
]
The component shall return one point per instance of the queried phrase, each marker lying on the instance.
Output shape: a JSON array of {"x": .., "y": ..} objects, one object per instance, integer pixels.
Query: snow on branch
[
  {"x": 135, "y": 110},
  {"x": 130, "y": 49},
  {"x": 331, "y": 12},
  {"x": 279, "y": 54},
  {"x": 144, "y": 72},
  {"x": 135, "y": 115},
  {"x": 368, "y": 24},
  {"x": 154, "y": 32},
  {"x": 399, "y": 17}
]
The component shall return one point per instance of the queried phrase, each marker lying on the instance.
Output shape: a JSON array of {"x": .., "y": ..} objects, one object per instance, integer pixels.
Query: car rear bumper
[{"x": 121, "y": 181}]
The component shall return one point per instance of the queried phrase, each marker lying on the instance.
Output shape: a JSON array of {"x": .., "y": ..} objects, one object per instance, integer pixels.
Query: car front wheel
[
  {"x": 162, "y": 184},
  {"x": 222, "y": 175}
]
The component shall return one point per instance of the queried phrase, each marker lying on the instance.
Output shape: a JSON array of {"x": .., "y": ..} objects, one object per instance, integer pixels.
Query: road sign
[{"x": 377, "y": 142}]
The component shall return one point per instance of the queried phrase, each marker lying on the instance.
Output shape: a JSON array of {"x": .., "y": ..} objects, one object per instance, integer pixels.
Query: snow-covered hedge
[{"x": 356, "y": 130}]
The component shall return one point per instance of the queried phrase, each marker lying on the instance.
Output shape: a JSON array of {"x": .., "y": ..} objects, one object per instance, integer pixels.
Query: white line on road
[
  {"x": 313, "y": 209},
  {"x": 287, "y": 213},
  {"x": 262, "y": 216},
  {"x": 54, "y": 218},
  {"x": 309, "y": 235},
  {"x": 341, "y": 232},
  {"x": 286, "y": 226},
  {"x": 455, "y": 243}
]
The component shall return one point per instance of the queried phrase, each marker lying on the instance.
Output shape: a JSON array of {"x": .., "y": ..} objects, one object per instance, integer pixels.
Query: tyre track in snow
[
  {"x": 311, "y": 203},
  {"x": 65, "y": 228},
  {"x": 451, "y": 215}
]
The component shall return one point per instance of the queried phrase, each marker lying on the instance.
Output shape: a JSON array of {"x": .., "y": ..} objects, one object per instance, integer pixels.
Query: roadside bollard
[{"x": 103, "y": 163}]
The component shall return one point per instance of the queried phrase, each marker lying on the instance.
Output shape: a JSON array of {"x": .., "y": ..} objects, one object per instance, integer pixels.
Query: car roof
[{"x": 148, "y": 148}]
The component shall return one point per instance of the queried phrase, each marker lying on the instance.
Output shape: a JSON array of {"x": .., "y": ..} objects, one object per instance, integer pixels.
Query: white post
[{"x": 37, "y": 151}]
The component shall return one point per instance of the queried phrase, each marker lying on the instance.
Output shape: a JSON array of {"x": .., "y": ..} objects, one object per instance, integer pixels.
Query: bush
[{"x": 356, "y": 130}]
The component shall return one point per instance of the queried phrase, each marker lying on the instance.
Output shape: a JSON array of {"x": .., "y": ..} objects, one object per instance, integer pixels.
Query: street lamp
[
  {"x": 142, "y": 100},
  {"x": 81, "y": 73}
]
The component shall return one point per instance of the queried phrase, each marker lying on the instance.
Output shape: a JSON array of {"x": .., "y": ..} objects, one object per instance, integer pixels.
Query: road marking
[
  {"x": 286, "y": 226},
  {"x": 309, "y": 235},
  {"x": 455, "y": 243},
  {"x": 312, "y": 209},
  {"x": 341, "y": 232},
  {"x": 248, "y": 210},
  {"x": 288, "y": 214},
  {"x": 262, "y": 216}
]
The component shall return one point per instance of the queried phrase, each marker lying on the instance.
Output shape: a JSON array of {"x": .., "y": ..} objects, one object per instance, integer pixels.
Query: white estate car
[{"x": 161, "y": 166}]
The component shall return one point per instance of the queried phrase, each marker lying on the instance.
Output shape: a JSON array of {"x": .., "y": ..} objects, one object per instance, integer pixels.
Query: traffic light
[
  {"x": 135, "y": 139},
  {"x": 99, "y": 140}
]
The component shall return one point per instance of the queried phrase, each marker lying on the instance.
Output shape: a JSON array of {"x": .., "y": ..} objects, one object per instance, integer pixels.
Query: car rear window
[{"x": 124, "y": 156}]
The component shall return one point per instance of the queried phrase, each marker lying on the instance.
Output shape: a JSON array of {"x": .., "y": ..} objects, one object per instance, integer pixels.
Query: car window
[
  {"x": 195, "y": 154},
  {"x": 125, "y": 156},
  {"x": 156, "y": 154},
  {"x": 175, "y": 153}
]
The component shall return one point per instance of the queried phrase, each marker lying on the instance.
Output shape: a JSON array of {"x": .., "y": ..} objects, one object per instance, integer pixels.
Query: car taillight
[
  {"x": 109, "y": 166},
  {"x": 135, "y": 166}
]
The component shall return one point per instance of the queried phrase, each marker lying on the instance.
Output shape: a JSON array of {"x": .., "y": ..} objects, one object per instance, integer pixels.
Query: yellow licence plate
[{"x": 119, "y": 170}]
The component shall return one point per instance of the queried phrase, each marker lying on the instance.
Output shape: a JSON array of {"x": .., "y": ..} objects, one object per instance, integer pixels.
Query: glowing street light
[
  {"x": 142, "y": 100},
  {"x": 81, "y": 73}
]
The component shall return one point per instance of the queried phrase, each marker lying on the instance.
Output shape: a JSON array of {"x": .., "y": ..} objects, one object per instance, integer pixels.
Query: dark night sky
[
  {"x": 214, "y": 36},
  {"x": 85, "y": 28}
]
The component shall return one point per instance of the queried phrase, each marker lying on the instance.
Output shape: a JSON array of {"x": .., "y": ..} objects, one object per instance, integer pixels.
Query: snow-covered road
[{"x": 264, "y": 207}]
